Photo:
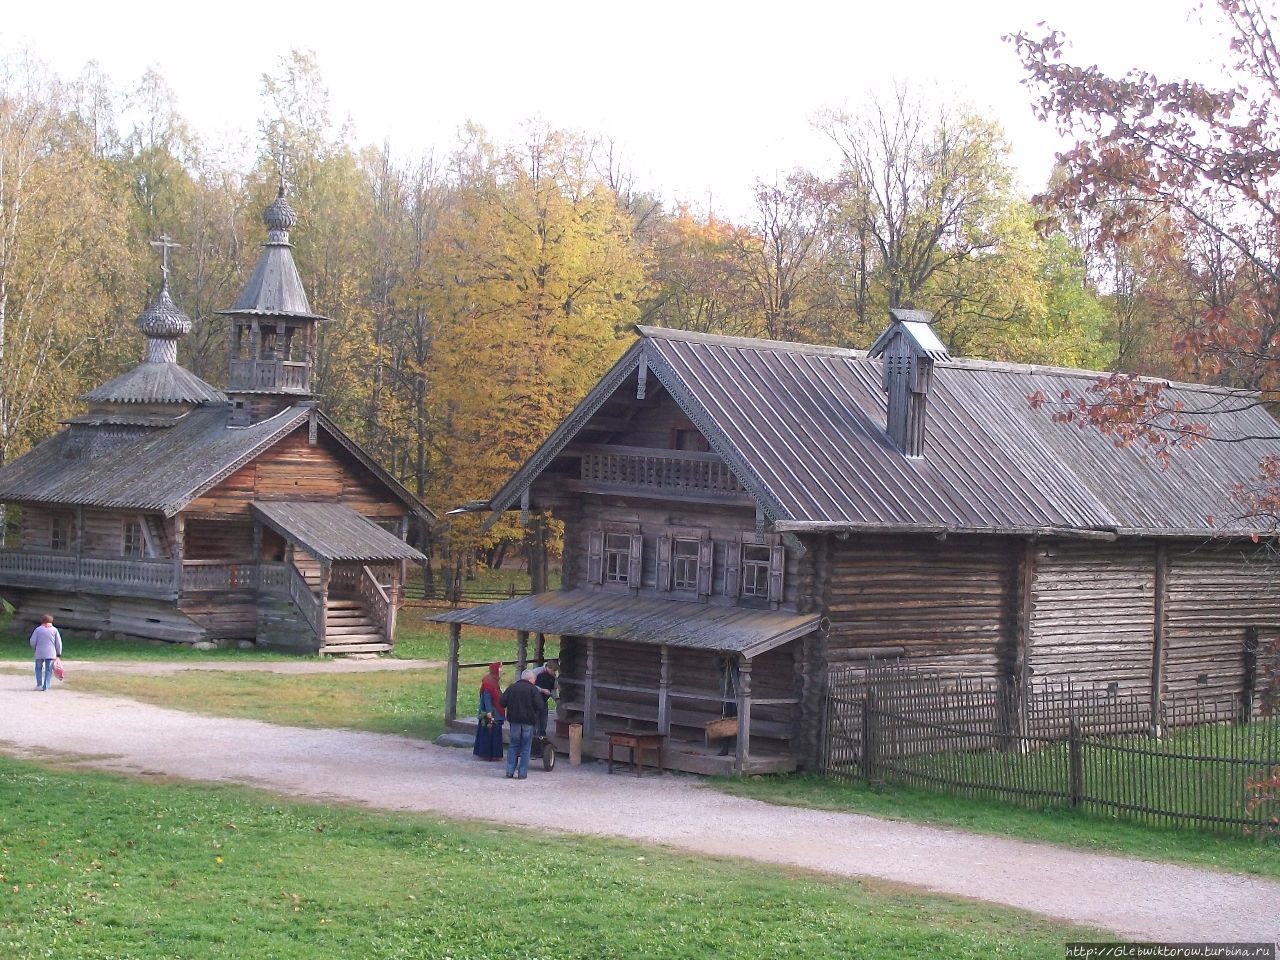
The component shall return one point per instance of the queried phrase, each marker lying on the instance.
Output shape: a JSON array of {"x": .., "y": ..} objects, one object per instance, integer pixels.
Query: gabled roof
[
  {"x": 802, "y": 426},
  {"x": 156, "y": 383},
  {"x": 166, "y": 469},
  {"x": 332, "y": 531}
]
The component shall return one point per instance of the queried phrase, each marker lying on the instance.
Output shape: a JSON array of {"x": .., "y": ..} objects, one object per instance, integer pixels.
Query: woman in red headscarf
[{"x": 491, "y": 715}]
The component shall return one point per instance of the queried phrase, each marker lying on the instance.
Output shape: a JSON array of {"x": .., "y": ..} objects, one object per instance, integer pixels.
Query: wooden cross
[{"x": 164, "y": 243}]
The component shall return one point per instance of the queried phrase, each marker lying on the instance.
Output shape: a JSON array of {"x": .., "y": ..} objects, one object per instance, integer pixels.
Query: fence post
[
  {"x": 1250, "y": 682},
  {"x": 1077, "y": 763},
  {"x": 870, "y": 739}
]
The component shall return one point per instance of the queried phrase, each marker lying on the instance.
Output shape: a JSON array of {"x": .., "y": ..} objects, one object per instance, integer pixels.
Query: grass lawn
[
  {"x": 93, "y": 866},
  {"x": 1245, "y": 854}
]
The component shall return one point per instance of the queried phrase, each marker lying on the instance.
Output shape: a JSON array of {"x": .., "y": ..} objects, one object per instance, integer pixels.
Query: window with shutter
[
  {"x": 617, "y": 558},
  {"x": 595, "y": 556},
  {"x": 777, "y": 564},
  {"x": 755, "y": 570},
  {"x": 635, "y": 571},
  {"x": 732, "y": 569},
  {"x": 664, "y": 564},
  {"x": 686, "y": 565},
  {"x": 706, "y": 552}
]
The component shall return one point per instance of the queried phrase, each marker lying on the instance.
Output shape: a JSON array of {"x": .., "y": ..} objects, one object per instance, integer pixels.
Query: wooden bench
[{"x": 638, "y": 743}]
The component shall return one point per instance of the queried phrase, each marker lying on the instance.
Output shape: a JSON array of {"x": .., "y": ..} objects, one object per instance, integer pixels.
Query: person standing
[
  {"x": 545, "y": 680},
  {"x": 521, "y": 701},
  {"x": 490, "y": 716},
  {"x": 46, "y": 641}
]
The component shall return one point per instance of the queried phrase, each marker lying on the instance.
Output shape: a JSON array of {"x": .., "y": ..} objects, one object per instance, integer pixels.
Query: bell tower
[{"x": 273, "y": 331}]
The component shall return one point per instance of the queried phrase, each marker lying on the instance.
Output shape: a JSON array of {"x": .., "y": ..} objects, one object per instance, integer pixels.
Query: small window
[
  {"x": 244, "y": 336},
  {"x": 684, "y": 562},
  {"x": 60, "y": 533},
  {"x": 268, "y": 351},
  {"x": 133, "y": 545},
  {"x": 755, "y": 570},
  {"x": 617, "y": 558}
]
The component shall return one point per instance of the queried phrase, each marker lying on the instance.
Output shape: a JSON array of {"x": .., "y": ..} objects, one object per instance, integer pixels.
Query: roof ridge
[
  {"x": 753, "y": 343},
  {"x": 963, "y": 363}
]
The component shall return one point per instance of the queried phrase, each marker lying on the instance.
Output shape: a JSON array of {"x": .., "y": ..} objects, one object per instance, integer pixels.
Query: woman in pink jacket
[{"x": 47, "y": 644}]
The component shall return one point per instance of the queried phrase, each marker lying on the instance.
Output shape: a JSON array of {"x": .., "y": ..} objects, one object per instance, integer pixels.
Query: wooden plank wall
[
  {"x": 218, "y": 539},
  {"x": 153, "y": 619},
  {"x": 1093, "y": 612},
  {"x": 1215, "y": 593},
  {"x": 295, "y": 469},
  {"x": 653, "y": 424},
  {"x": 949, "y": 604}
]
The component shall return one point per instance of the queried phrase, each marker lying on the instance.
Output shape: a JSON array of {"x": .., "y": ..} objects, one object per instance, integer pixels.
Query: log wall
[
  {"x": 949, "y": 604},
  {"x": 1215, "y": 594},
  {"x": 1093, "y": 611},
  {"x": 154, "y": 619},
  {"x": 296, "y": 469}
]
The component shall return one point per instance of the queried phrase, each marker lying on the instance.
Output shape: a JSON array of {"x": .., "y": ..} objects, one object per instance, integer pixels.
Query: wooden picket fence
[{"x": 1190, "y": 761}]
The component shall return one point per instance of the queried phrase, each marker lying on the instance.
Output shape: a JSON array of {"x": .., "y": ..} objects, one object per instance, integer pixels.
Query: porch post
[
  {"x": 522, "y": 650},
  {"x": 539, "y": 648},
  {"x": 326, "y": 567},
  {"x": 744, "y": 716},
  {"x": 79, "y": 540},
  {"x": 589, "y": 693},
  {"x": 451, "y": 674},
  {"x": 664, "y": 692},
  {"x": 179, "y": 537}
]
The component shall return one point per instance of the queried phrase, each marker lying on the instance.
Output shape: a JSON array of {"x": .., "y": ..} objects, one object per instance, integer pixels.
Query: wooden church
[
  {"x": 173, "y": 510},
  {"x": 744, "y": 516}
]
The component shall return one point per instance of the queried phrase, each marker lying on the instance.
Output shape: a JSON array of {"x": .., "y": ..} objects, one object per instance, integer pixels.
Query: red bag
[{"x": 57, "y": 669}]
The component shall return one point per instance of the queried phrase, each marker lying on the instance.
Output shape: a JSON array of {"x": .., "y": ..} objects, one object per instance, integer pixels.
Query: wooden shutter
[
  {"x": 634, "y": 569},
  {"x": 595, "y": 556},
  {"x": 664, "y": 563},
  {"x": 706, "y": 550},
  {"x": 732, "y": 569},
  {"x": 777, "y": 563}
]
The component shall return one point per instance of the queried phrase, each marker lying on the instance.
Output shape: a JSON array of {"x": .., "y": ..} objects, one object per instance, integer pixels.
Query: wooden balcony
[
  {"x": 653, "y": 472},
  {"x": 119, "y": 576},
  {"x": 109, "y": 575},
  {"x": 288, "y": 375}
]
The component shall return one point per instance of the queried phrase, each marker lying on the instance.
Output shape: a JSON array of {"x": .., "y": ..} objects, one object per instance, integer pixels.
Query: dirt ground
[{"x": 1131, "y": 898}]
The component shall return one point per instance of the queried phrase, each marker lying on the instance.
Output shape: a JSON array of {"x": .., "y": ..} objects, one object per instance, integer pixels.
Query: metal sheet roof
[
  {"x": 614, "y": 616},
  {"x": 156, "y": 383},
  {"x": 806, "y": 429},
  {"x": 332, "y": 531},
  {"x": 803, "y": 427}
]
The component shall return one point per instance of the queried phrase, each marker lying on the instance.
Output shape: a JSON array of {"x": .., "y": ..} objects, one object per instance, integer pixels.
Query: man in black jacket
[{"x": 521, "y": 701}]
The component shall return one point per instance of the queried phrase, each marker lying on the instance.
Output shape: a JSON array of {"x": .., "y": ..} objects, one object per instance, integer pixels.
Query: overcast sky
[{"x": 702, "y": 97}]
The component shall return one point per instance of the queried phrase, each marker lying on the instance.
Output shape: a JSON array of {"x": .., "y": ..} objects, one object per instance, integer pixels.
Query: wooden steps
[{"x": 348, "y": 628}]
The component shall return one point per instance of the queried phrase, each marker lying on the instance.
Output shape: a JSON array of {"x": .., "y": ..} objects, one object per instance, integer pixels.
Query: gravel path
[
  {"x": 1132, "y": 898},
  {"x": 166, "y": 667}
]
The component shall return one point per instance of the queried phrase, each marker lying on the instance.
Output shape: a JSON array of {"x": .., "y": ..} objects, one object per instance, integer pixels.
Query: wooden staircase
[{"x": 348, "y": 628}]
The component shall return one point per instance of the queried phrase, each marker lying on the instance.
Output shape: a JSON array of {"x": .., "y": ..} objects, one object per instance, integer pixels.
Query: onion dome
[
  {"x": 163, "y": 322},
  {"x": 280, "y": 218}
]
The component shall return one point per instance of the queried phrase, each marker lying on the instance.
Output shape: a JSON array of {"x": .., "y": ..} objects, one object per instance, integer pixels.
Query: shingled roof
[
  {"x": 802, "y": 427},
  {"x": 165, "y": 469},
  {"x": 156, "y": 383}
]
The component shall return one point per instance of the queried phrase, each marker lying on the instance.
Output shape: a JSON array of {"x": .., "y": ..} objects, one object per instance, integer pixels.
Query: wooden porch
[{"x": 720, "y": 664}]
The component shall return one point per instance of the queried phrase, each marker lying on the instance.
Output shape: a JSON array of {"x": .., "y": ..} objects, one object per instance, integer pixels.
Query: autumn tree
[{"x": 1200, "y": 165}]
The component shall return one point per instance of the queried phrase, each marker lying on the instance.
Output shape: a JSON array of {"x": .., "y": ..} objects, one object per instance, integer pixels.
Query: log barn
[
  {"x": 173, "y": 510},
  {"x": 743, "y": 516}
]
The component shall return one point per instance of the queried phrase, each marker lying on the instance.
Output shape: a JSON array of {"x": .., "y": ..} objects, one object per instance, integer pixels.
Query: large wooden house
[
  {"x": 173, "y": 510},
  {"x": 743, "y": 516}
]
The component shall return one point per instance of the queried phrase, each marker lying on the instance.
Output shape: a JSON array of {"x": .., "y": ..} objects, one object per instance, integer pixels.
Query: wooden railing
[
  {"x": 67, "y": 572},
  {"x": 377, "y": 601},
  {"x": 274, "y": 578},
  {"x": 663, "y": 469},
  {"x": 219, "y": 575},
  {"x": 270, "y": 374},
  {"x": 305, "y": 599}
]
